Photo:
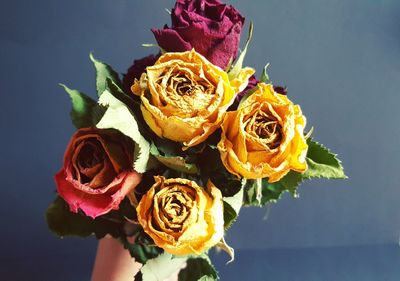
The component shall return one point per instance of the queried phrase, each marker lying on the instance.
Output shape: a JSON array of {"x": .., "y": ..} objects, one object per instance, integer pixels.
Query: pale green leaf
[
  {"x": 103, "y": 72},
  {"x": 234, "y": 72},
  {"x": 207, "y": 278},
  {"x": 119, "y": 117},
  {"x": 152, "y": 45},
  {"x": 161, "y": 267},
  {"x": 264, "y": 75},
  {"x": 259, "y": 187},
  {"x": 227, "y": 249},
  {"x": 322, "y": 163}
]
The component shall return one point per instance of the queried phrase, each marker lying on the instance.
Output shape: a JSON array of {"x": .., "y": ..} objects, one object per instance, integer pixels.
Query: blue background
[{"x": 340, "y": 60}]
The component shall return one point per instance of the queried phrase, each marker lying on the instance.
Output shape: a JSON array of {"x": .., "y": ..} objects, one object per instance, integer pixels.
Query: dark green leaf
[
  {"x": 291, "y": 181},
  {"x": 65, "y": 223},
  {"x": 229, "y": 215},
  {"x": 271, "y": 192},
  {"x": 143, "y": 248},
  {"x": 198, "y": 269},
  {"x": 212, "y": 168},
  {"x": 104, "y": 72},
  {"x": 85, "y": 111},
  {"x": 141, "y": 252},
  {"x": 138, "y": 276},
  {"x": 322, "y": 163}
]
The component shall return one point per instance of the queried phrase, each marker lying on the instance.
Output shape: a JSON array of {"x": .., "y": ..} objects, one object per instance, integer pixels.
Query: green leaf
[
  {"x": 198, "y": 269},
  {"x": 291, "y": 181},
  {"x": 161, "y": 267},
  {"x": 85, "y": 111},
  {"x": 264, "y": 75},
  {"x": 140, "y": 251},
  {"x": 176, "y": 163},
  {"x": 119, "y": 117},
  {"x": 230, "y": 215},
  {"x": 212, "y": 168},
  {"x": 322, "y": 163},
  {"x": 239, "y": 62},
  {"x": 235, "y": 201},
  {"x": 117, "y": 92},
  {"x": 152, "y": 45},
  {"x": 232, "y": 206},
  {"x": 247, "y": 95},
  {"x": 63, "y": 222},
  {"x": 104, "y": 72},
  {"x": 271, "y": 192}
]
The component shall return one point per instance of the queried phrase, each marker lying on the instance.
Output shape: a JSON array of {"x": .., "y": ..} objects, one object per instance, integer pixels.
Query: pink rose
[
  {"x": 97, "y": 172},
  {"x": 209, "y": 26}
]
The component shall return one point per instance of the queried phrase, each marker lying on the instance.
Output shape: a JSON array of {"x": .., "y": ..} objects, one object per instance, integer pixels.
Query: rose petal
[
  {"x": 170, "y": 40},
  {"x": 94, "y": 205}
]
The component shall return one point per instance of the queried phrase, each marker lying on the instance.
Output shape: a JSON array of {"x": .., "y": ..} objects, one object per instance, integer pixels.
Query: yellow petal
[{"x": 239, "y": 83}]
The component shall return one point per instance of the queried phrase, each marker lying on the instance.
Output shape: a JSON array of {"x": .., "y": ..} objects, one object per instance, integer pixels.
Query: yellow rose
[
  {"x": 264, "y": 137},
  {"x": 185, "y": 97},
  {"x": 181, "y": 217}
]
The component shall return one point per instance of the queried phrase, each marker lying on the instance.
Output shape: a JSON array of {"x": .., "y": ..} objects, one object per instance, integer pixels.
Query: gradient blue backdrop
[{"x": 340, "y": 60}]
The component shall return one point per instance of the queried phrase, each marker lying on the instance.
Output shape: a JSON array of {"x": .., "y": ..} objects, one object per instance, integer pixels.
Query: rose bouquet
[{"x": 166, "y": 157}]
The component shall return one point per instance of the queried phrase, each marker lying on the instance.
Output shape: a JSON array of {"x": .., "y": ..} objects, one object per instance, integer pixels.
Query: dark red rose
[
  {"x": 280, "y": 90},
  {"x": 137, "y": 68},
  {"x": 209, "y": 26},
  {"x": 97, "y": 172}
]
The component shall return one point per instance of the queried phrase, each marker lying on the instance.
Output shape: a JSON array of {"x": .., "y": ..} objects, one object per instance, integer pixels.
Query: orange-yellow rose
[
  {"x": 264, "y": 137},
  {"x": 185, "y": 97},
  {"x": 182, "y": 217}
]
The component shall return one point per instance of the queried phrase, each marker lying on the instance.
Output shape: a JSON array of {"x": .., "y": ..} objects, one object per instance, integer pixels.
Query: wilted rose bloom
[
  {"x": 97, "y": 172},
  {"x": 182, "y": 217},
  {"x": 253, "y": 81},
  {"x": 209, "y": 26},
  {"x": 136, "y": 70},
  {"x": 264, "y": 137},
  {"x": 185, "y": 97}
]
